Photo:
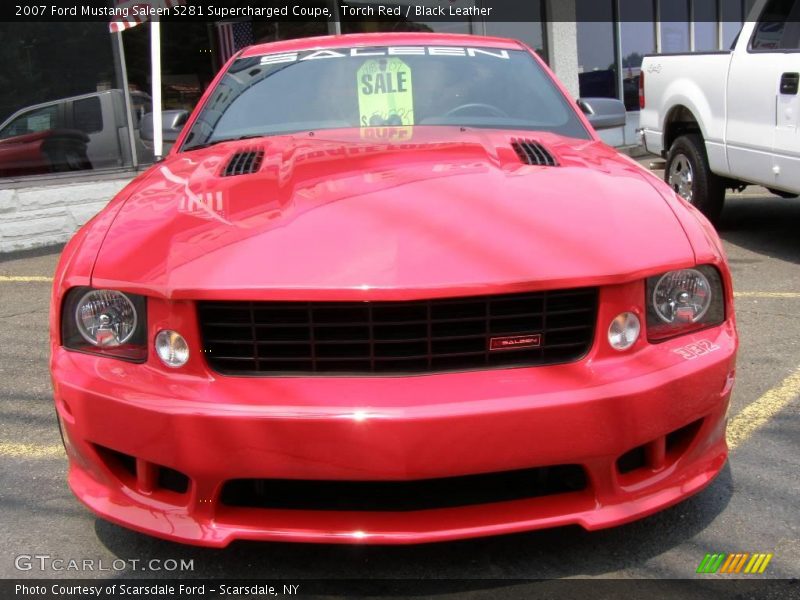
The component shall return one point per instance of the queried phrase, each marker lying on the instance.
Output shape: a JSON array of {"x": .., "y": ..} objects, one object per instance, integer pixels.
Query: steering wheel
[{"x": 492, "y": 110}]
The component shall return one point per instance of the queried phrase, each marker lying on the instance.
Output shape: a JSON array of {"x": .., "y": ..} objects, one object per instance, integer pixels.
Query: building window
[
  {"x": 187, "y": 68},
  {"x": 704, "y": 15},
  {"x": 531, "y": 33},
  {"x": 60, "y": 111},
  {"x": 597, "y": 55},
  {"x": 674, "y": 18},
  {"x": 637, "y": 38},
  {"x": 732, "y": 16}
]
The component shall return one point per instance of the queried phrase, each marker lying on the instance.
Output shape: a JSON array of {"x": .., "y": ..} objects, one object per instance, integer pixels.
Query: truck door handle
[{"x": 789, "y": 83}]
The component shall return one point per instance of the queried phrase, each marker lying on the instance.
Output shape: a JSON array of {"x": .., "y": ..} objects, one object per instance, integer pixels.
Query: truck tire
[{"x": 688, "y": 174}]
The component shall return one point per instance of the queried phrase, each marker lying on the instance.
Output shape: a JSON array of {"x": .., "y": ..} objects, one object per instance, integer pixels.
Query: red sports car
[{"x": 390, "y": 289}]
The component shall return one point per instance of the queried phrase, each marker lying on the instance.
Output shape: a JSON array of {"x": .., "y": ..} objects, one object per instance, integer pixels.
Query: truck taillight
[{"x": 641, "y": 90}]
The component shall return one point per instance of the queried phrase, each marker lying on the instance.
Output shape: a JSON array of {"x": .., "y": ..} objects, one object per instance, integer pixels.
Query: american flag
[
  {"x": 232, "y": 37},
  {"x": 132, "y": 20}
]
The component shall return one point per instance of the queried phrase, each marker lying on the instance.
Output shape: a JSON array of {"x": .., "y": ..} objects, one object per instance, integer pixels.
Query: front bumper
[
  {"x": 651, "y": 140},
  {"x": 214, "y": 429}
]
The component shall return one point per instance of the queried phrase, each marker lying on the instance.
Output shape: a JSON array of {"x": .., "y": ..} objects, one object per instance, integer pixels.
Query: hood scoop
[
  {"x": 531, "y": 152},
  {"x": 244, "y": 162}
]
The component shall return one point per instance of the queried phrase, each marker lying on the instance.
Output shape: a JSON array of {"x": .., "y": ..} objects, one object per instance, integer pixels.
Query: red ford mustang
[{"x": 390, "y": 289}]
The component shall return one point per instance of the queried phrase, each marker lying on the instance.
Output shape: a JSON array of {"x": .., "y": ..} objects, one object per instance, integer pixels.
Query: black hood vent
[
  {"x": 531, "y": 152},
  {"x": 244, "y": 163}
]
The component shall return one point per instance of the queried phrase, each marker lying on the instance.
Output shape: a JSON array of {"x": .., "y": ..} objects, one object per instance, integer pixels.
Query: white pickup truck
[{"x": 731, "y": 118}]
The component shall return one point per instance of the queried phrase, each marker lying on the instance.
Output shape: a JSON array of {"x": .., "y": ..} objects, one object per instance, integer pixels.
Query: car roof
[{"x": 382, "y": 39}]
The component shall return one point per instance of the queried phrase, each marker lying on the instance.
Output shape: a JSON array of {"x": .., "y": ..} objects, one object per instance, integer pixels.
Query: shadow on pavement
[{"x": 766, "y": 225}]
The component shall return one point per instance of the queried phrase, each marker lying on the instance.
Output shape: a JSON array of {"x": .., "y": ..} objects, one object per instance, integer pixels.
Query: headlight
[
  {"x": 683, "y": 301},
  {"x": 105, "y": 322},
  {"x": 106, "y": 318}
]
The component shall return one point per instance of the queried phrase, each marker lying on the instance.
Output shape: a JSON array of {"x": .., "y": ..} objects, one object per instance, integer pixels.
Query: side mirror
[
  {"x": 603, "y": 113},
  {"x": 171, "y": 126}
]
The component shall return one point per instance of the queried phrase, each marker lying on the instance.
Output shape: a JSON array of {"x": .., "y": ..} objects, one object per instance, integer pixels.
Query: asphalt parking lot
[{"x": 753, "y": 506}]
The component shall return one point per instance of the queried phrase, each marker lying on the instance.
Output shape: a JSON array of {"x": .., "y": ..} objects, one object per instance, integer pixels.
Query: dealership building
[{"x": 77, "y": 91}]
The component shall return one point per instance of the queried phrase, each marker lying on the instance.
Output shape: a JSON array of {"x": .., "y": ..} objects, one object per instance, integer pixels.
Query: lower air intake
[{"x": 401, "y": 496}]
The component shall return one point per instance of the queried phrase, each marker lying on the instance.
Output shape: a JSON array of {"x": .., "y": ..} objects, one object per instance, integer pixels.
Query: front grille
[
  {"x": 397, "y": 496},
  {"x": 426, "y": 336}
]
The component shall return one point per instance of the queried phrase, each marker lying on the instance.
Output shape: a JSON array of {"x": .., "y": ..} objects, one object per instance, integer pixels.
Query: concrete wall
[{"x": 47, "y": 215}]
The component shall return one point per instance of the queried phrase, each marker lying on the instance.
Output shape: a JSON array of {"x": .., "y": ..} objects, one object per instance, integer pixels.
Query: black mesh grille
[
  {"x": 427, "y": 336},
  {"x": 243, "y": 163},
  {"x": 397, "y": 496},
  {"x": 533, "y": 153}
]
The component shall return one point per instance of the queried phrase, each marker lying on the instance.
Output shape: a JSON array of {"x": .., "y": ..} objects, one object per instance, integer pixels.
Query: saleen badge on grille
[{"x": 515, "y": 342}]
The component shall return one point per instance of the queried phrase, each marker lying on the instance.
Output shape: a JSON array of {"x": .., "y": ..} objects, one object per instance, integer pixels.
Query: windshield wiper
[{"x": 223, "y": 140}]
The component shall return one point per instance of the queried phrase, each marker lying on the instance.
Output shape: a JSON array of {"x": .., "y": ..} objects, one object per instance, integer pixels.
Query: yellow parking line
[
  {"x": 756, "y": 415},
  {"x": 766, "y": 294},
  {"x": 21, "y": 279},
  {"x": 12, "y": 450}
]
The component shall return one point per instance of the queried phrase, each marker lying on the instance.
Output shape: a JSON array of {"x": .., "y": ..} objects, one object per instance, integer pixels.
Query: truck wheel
[{"x": 688, "y": 174}]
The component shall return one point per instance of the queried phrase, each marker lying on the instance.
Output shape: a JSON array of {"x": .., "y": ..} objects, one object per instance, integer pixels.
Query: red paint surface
[{"x": 434, "y": 212}]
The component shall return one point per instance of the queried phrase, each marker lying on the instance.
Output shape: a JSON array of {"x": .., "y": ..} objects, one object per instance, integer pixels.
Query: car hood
[{"x": 395, "y": 213}]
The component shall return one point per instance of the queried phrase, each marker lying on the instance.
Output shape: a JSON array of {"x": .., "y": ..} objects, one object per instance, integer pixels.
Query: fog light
[
  {"x": 624, "y": 331},
  {"x": 172, "y": 349}
]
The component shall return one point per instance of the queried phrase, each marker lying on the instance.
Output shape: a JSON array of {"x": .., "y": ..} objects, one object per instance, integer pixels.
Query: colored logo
[
  {"x": 743, "y": 562},
  {"x": 516, "y": 342}
]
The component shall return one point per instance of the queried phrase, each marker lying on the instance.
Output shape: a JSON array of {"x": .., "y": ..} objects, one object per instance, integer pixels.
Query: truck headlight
[
  {"x": 682, "y": 301},
  {"x": 105, "y": 322}
]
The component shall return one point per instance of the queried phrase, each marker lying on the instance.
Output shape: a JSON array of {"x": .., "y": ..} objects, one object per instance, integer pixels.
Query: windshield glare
[{"x": 383, "y": 87}]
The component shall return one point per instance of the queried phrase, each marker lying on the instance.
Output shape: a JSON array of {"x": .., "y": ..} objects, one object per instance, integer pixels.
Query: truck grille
[{"x": 425, "y": 336}]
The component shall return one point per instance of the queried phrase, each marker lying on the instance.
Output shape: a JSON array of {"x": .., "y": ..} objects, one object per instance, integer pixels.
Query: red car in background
[
  {"x": 48, "y": 151},
  {"x": 391, "y": 289}
]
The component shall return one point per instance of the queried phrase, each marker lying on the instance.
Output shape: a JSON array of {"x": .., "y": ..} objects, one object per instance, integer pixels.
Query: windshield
[{"x": 383, "y": 87}]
